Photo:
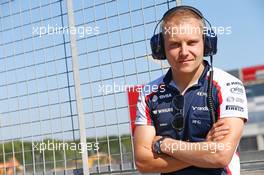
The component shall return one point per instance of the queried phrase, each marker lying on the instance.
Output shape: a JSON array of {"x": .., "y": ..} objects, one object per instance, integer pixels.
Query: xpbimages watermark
[
  {"x": 183, "y": 146},
  {"x": 59, "y": 146},
  {"x": 82, "y": 31},
  {"x": 115, "y": 88},
  {"x": 183, "y": 29}
]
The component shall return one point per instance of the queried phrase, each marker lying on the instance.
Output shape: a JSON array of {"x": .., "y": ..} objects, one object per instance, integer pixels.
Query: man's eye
[
  {"x": 192, "y": 43},
  {"x": 174, "y": 45}
]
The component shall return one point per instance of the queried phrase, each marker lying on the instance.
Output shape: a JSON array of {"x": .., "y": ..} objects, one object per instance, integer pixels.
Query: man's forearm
[
  {"x": 151, "y": 162},
  {"x": 200, "y": 154}
]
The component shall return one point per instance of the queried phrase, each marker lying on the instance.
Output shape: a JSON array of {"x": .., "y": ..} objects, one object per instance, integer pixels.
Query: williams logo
[
  {"x": 165, "y": 110},
  {"x": 234, "y": 108},
  {"x": 237, "y": 90},
  {"x": 234, "y": 83}
]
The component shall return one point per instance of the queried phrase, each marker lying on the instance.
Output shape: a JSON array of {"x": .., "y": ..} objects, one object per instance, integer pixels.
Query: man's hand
[
  {"x": 218, "y": 131},
  {"x": 146, "y": 160},
  {"x": 210, "y": 154},
  {"x": 156, "y": 138}
]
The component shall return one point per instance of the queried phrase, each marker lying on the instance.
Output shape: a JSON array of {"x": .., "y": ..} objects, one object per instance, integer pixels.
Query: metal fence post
[{"x": 79, "y": 103}]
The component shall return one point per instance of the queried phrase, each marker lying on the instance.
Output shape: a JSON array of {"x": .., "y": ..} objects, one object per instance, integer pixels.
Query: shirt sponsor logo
[
  {"x": 165, "y": 96},
  {"x": 237, "y": 90},
  {"x": 239, "y": 100},
  {"x": 233, "y": 99},
  {"x": 234, "y": 108},
  {"x": 234, "y": 83},
  {"x": 200, "y": 108},
  {"x": 164, "y": 124},
  {"x": 201, "y": 93},
  {"x": 230, "y": 99},
  {"x": 196, "y": 122},
  {"x": 154, "y": 98},
  {"x": 159, "y": 111}
]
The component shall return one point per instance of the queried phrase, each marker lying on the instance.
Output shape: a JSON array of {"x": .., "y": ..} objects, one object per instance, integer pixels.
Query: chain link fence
[
  {"x": 40, "y": 131},
  {"x": 39, "y": 121}
]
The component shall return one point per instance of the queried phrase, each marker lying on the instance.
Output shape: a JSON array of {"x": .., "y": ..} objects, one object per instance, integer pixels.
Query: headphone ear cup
[
  {"x": 157, "y": 47},
  {"x": 210, "y": 43}
]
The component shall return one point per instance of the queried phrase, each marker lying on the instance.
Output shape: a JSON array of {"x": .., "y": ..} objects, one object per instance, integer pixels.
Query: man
[{"x": 199, "y": 146}]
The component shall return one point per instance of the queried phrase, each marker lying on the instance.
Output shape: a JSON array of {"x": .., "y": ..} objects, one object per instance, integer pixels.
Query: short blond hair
[{"x": 180, "y": 16}]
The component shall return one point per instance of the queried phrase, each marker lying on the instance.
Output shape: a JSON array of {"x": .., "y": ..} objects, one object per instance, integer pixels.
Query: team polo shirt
[{"x": 155, "y": 108}]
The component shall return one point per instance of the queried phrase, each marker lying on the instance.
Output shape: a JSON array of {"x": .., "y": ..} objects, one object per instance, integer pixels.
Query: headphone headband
[{"x": 184, "y": 7}]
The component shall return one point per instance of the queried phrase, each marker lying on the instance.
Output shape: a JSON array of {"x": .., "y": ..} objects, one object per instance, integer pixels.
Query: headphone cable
[{"x": 210, "y": 92}]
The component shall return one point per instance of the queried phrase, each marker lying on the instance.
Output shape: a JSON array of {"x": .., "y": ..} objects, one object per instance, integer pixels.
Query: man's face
[{"x": 184, "y": 48}]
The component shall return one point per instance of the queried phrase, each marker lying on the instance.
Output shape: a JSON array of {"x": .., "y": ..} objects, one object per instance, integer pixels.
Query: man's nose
[{"x": 184, "y": 50}]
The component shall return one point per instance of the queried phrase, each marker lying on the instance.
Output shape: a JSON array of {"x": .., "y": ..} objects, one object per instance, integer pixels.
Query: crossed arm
[
  {"x": 225, "y": 132},
  {"x": 146, "y": 160}
]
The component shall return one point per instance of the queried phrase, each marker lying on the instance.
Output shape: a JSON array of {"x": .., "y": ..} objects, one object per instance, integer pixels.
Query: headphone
[
  {"x": 210, "y": 49},
  {"x": 157, "y": 40}
]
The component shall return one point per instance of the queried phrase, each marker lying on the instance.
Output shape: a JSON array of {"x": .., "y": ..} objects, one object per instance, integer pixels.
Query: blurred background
[{"x": 38, "y": 105}]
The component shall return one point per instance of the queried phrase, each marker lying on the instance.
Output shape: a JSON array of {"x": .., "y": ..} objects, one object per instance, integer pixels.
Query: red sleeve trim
[{"x": 147, "y": 110}]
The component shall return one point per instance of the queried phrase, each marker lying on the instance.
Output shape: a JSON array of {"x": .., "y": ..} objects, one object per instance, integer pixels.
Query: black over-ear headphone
[
  {"x": 157, "y": 41},
  {"x": 210, "y": 49}
]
